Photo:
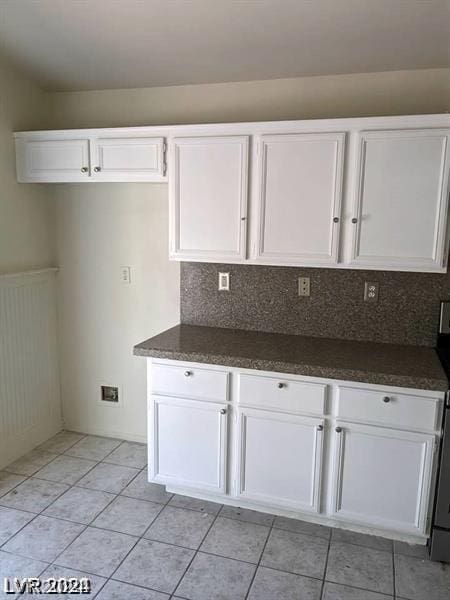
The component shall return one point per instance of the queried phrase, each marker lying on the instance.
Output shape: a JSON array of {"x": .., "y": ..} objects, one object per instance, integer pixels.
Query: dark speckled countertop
[{"x": 368, "y": 362}]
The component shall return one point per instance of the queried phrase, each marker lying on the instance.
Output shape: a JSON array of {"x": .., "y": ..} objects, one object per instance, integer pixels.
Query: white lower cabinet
[
  {"x": 189, "y": 443},
  {"x": 356, "y": 454},
  {"x": 280, "y": 459},
  {"x": 381, "y": 477}
]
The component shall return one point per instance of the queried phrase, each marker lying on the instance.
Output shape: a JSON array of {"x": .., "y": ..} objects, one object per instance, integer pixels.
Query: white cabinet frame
[
  {"x": 153, "y": 170},
  {"x": 221, "y": 459},
  {"x": 44, "y": 169},
  {"x": 316, "y": 466},
  {"x": 427, "y": 442},
  {"x": 323, "y": 505},
  {"x": 92, "y": 168},
  {"x": 440, "y": 243},
  {"x": 334, "y": 223},
  {"x": 175, "y": 250},
  {"x": 345, "y": 235}
]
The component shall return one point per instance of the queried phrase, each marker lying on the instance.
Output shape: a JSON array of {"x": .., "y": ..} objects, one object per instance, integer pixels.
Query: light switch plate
[
  {"x": 125, "y": 274},
  {"x": 224, "y": 282},
  {"x": 371, "y": 291}
]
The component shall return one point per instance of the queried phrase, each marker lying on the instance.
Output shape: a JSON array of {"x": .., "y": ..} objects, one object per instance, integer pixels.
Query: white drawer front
[
  {"x": 205, "y": 384},
  {"x": 282, "y": 394},
  {"x": 405, "y": 411}
]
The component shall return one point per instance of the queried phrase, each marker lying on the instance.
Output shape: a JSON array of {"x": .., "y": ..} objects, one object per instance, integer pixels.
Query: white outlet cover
[{"x": 224, "y": 282}]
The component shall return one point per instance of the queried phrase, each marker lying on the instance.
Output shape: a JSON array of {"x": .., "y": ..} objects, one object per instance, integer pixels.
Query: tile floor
[{"x": 81, "y": 506}]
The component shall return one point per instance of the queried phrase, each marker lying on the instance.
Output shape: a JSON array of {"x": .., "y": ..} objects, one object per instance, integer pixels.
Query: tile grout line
[
  {"x": 326, "y": 565},
  {"x": 196, "y": 551},
  {"x": 218, "y": 514},
  {"x": 70, "y": 486},
  {"x": 260, "y": 558},
  {"x": 40, "y": 513}
]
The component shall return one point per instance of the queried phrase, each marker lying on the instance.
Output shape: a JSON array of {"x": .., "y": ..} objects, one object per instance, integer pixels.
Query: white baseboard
[
  {"x": 90, "y": 430},
  {"x": 14, "y": 447}
]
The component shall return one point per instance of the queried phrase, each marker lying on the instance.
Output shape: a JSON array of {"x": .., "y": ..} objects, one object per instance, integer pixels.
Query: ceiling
[{"x": 105, "y": 44}]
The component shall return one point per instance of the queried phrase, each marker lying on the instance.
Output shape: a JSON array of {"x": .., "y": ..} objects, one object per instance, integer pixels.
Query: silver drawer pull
[
  {"x": 281, "y": 385},
  {"x": 223, "y": 411},
  {"x": 338, "y": 429},
  {"x": 84, "y": 169},
  {"x": 97, "y": 169},
  {"x": 319, "y": 427},
  {"x": 386, "y": 399},
  {"x": 187, "y": 373}
]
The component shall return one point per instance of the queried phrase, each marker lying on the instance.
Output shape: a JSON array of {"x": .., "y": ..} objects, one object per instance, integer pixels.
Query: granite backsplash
[{"x": 266, "y": 299}]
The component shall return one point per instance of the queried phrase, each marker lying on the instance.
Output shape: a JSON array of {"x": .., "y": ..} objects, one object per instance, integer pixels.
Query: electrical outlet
[
  {"x": 371, "y": 290},
  {"x": 125, "y": 274},
  {"x": 304, "y": 286},
  {"x": 224, "y": 282}
]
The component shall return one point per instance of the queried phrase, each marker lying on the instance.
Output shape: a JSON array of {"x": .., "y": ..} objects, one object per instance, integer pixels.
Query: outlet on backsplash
[
  {"x": 304, "y": 286},
  {"x": 265, "y": 298},
  {"x": 371, "y": 291}
]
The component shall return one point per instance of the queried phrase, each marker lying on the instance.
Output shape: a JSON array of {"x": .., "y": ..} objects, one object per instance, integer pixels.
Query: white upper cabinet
[
  {"x": 208, "y": 198},
  {"x": 362, "y": 193},
  {"x": 299, "y": 198},
  {"x": 400, "y": 208},
  {"x": 53, "y": 160},
  {"x": 128, "y": 159},
  {"x": 93, "y": 159}
]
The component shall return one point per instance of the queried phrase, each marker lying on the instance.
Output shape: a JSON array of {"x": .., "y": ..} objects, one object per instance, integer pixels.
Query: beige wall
[
  {"x": 391, "y": 93},
  {"x": 26, "y": 231},
  {"x": 101, "y": 227}
]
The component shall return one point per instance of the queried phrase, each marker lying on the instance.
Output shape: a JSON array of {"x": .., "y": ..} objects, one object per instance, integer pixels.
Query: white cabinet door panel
[
  {"x": 401, "y": 199},
  {"x": 280, "y": 459},
  {"x": 128, "y": 159},
  {"x": 189, "y": 443},
  {"x": 55, "y": 160},
  {"x": 208, "y": 197},
  {"x": 300, "y": 179},
  {"x": 381, "y": 477}
]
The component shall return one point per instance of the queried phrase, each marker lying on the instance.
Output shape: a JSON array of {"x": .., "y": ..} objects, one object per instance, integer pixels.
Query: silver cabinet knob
[
  {"x": 223, "y": 411},
  {"x": 84, "y": 169},
  {"x": 187, "y": 373},
  {"x": 97, "y": 169},
  {"x": 336, "y": 220},
  {"x": 281, "y": 385},
  {"x": 354, "y": 220},
  {"x": 386, "y": 399},
  {"x": 319, "y": 427},
  {"x": 338, "y": 429}
]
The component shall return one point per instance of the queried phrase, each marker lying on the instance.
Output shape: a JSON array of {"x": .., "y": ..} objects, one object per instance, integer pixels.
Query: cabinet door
[
  {"x": 382, "y": 477},
  {"x": 129, "y": 159},
  {"x": 400, "y": 213},
  {"x": 189, "y": 443},
  {"x": 53, "y": 160},
  {"x": 280, "y": 459},
  {"x": 300, "y": 187},
  {"x": 208, "y": 198}
]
